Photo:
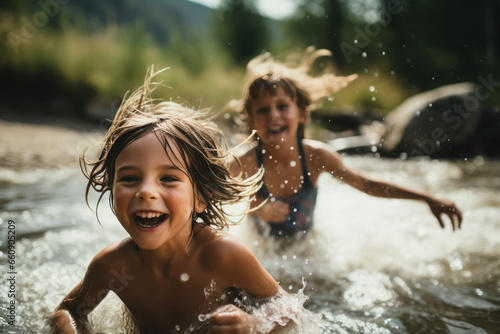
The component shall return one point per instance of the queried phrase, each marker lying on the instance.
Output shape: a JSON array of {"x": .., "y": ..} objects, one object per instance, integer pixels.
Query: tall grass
[{"x": 114, "y": 60}]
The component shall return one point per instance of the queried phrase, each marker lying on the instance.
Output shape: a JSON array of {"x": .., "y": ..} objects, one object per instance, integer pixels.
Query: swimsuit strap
[
  {"x": 262, "y": 192},
  {"x": 307, "y": 184},
  {"x": 303, "y": 161}
]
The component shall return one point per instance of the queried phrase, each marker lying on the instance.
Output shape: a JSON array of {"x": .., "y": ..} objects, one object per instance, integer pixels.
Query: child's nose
[
  {"x": 274, "y": 113},
  {"x": 147, "y": 190}
]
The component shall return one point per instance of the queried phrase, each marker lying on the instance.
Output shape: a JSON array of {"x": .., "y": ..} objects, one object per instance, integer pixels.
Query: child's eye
[
  {"x": 127, "y": 179},
  {"x": 262, "y": 111},
  {"x": 168, "y": 179},
  {"x": 282, "y": 106}
]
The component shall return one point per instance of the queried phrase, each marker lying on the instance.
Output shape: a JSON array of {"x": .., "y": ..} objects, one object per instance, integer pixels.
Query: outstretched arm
[
  {"x": 386, "y": 189},
  {"x": 438, "y": 206}
]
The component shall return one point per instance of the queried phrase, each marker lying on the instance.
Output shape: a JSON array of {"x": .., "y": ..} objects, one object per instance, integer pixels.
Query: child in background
[
  {"x": 168, "y": 182},
  {"x": 276, "y": 102}
]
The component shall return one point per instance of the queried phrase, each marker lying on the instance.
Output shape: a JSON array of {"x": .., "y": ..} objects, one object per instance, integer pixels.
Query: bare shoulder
[
  {"x": 220, "y": 248},
  {"x": 115, "y": 256},
  {"x": 321, "y": 156},
  {"x": 232, "y": 264}
]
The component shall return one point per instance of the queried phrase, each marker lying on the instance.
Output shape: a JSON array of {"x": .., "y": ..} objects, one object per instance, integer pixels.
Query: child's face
[
  {"x": 152, "y": 196},
  {"x": 276, "y": 118}
]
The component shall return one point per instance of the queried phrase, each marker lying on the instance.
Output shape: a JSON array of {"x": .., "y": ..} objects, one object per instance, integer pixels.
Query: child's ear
[
  {"x": 199, "y": 204},
  {"x": 302, "y": 116}
]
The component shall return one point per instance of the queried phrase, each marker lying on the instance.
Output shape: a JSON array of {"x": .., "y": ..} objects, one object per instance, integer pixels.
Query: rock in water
[{"x": 440, "y": 123}]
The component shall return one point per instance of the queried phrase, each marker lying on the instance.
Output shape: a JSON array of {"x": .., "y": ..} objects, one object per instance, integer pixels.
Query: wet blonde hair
[
  {"x": 193, "y": 134},
  {"x": 264, "y": 75}
]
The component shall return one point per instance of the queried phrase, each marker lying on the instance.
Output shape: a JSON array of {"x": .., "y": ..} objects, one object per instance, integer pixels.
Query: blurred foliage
[
  {"x": 239, "y": 27},
  {"x": 89, "y": 50}
]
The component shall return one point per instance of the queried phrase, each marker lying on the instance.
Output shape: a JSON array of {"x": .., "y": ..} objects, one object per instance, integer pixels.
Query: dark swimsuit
[{"x": 302, "y": 204}]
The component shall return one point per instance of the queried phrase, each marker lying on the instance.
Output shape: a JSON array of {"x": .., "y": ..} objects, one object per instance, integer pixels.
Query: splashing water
[
  {"x": 283, "y": 312},
  {"x": 371, "y": 265}
]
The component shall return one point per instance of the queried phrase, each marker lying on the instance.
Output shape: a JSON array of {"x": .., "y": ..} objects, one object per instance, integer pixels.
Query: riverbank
[{"x": 34, "y": 145}]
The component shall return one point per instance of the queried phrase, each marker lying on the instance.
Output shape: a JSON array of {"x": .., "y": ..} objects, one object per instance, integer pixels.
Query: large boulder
[{"x": 441, "y": 123}]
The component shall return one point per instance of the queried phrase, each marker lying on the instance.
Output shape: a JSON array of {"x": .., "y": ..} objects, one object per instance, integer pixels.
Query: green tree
[
  {"x": 319, "y": 23},
  {"x": 240, "y": 29},
  {"x": 439, "y": 42}
]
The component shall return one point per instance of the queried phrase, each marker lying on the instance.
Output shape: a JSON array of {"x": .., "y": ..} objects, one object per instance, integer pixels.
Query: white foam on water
[{"x": 363, "y": 255}]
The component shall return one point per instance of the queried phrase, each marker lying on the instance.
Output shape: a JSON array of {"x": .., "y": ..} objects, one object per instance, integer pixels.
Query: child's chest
[
  {"x": 162, "y": 305},
  {"x": 283, "y": 179}
]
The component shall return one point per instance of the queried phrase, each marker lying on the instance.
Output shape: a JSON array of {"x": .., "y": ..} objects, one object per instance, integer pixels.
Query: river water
[{"x": 370, "y": 265}]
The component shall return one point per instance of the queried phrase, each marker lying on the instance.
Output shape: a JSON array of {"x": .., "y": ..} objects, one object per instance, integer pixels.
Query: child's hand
[
  {"x": 230, "y": 319},
  {"x": 442, "y": 206},
  {"x": 274, "y": 212}
]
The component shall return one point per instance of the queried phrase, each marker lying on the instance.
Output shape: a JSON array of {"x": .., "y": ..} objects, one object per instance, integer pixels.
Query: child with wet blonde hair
[
  {"x": 276, "y": 102},
  {"x": 169, "y": 187}
]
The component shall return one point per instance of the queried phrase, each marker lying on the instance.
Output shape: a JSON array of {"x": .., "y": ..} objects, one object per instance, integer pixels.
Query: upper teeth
[{"x": 149, "y": 214}]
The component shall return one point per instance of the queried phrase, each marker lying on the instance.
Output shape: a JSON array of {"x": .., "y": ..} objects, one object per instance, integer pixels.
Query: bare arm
[
  {"x": 71, "y": 314},
  {"x": 380, "y": 188},
  {"x": 238, "y": 267}
]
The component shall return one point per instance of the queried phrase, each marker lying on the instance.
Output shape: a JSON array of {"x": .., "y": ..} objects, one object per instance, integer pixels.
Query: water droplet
[
  {"x": 371, "y": 89},
  {"x": 284, "y": 257},
  {"x": 184, "y": 277},
  {"x": 293, "y": 163},
  {"x": 364, "y": 54}
]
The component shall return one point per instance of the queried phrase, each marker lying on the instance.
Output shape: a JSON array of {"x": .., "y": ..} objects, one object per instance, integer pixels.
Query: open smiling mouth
[
  {"x": 150, "y": 219},
  {"x": 277, "y": 130}
]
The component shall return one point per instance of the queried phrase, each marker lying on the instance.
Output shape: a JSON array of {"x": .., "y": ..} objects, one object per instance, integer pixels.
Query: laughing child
[
  {"x": 168, "y": 183},
  {"x": 276, "y": 102}
]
